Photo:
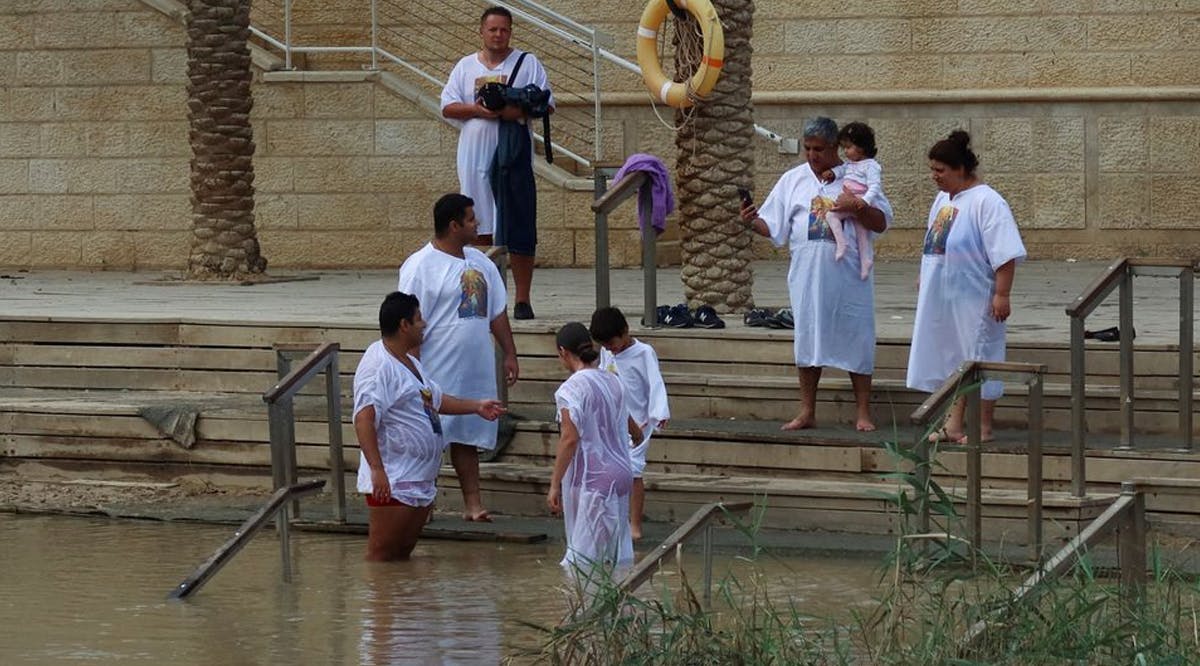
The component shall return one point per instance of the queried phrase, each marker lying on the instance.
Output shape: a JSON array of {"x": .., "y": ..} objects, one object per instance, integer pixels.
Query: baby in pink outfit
[{"x": 861, "y": 177}]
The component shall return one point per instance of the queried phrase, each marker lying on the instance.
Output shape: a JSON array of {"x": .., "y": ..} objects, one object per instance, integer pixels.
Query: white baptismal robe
[
  {"x": 459, "y": 297},
  {"x": 967, "y": 238},
  {"x": 833, "y": 307},
  {"x": 645, "y": 393},
  {"x": 595, "y": 488},
  {"x": 405, "y": 421},
  {"x": 478, "y": 137}
]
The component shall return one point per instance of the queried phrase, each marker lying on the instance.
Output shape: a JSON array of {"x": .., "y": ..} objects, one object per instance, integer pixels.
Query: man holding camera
[{"x": 513, "y": 213}]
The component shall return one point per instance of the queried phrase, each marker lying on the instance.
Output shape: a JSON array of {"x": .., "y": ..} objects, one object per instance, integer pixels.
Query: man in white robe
[
  {"x": 833, "y": 307},
  {"x": 463, "y": 298},
  {"x": 494, "y": 62}
]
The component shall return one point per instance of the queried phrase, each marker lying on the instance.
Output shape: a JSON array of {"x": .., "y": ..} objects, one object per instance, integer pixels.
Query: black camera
[{"x": 531, "y": 99}]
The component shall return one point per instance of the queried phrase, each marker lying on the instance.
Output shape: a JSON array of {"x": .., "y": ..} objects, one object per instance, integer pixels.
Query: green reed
[{"x": 931, "y": 592}]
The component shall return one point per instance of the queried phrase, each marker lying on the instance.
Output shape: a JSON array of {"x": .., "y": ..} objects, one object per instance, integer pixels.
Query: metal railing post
[
  {"x": 1131, "y": 546},
  {"x": 708, "y": 557},
  {"x": 649, "y": 258},
  {"x": 1187, "y": 288},
  {"x": 275, "y": 423},
  {"x": 923, "y": 481},
  {"x": 288, "y": 409},
  {"x": 287, "y": 34},
  {"x": 1125, "y": 326},
  {"x": 1034, "y": 459},
  {"x": 285, "y": 541},
  {"x": 337, "y": 466},
  {"x": 374, "y": 36},
  {"x": 603, "y": 293},
  {"x": 1078, "y": 404},
  {"x": 974, "y": 465}
]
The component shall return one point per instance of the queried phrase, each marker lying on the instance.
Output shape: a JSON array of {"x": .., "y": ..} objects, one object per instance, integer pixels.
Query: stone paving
[{"x": 351, "y": 298}]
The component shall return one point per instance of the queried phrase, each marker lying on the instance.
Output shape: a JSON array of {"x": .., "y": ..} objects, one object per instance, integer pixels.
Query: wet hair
[
  {"x": 821, "y": 128},
  {"x": 450, "y": 208},
  {"x": 955, "y": 151},
  {"x": 495, "y": 11},
  {"x": 574, "y": 338},
  {"x": 397, "y": 307},
  {"x": 608, "y": 323},
  {"x": 861, "y": 135}
]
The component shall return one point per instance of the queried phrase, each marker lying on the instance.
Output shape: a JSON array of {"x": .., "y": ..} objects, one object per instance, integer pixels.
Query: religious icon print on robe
[
  {"x": 435, "y": 421},
  {"x": 472, "y": 303},
  {"x": 935, "y": 236},
  {"x": 818, "y": 228}
]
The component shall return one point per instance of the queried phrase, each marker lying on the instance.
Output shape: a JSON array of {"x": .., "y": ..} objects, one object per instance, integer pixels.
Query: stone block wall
[
  {"x": 94, "y": 155},
  {"x": 1084, "y": 114}
]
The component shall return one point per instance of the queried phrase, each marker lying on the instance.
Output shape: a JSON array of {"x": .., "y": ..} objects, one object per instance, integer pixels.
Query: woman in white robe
[
  {"x": 593, "y": 473},
  {"x": 968, "y": 263}
]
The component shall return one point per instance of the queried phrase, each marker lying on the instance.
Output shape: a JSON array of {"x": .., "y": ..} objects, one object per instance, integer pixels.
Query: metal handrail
[
  {"x": 276, "y": 506},
  {"x": 1126, "y": 517},
  {"x": 1119, "y": 275},
  {"x": 607, "y": 200},
  {"x": 702, "y": 518},
  {"x": 591, "y": 40},
  {"x": 968, "y": 379},
  {"x": 281, "y": 416}
]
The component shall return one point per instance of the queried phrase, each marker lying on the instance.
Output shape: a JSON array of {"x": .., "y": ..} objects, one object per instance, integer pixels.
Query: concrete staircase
[{"x": 195, "y": 409}]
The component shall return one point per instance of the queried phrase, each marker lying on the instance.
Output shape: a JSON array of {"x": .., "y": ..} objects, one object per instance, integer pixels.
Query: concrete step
[{"x": 796, "y": 504}]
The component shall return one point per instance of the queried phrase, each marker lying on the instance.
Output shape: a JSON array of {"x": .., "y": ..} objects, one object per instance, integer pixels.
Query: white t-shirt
[
  {"x": 459, "y": 297},
  {"x": 645, "y": 393},
  {"x": 966, "y": 240},
  {"x": 478, "y": 138},
  {"x": 833, "y": 306},
  {"x": 596, "y": 486},
  {"x": 406, "y": 424}
]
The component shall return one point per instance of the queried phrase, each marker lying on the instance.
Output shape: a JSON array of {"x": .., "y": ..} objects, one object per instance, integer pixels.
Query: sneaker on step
[
  {"x": 757, "y": 317},
  {"x": 706, "y": 317},
  {"x": 782, "y": 319},
  {"x": 679, "y": 317}
]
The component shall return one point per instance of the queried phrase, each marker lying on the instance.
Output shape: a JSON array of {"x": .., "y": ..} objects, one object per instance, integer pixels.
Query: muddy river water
[{"x": 94, "y": 591}]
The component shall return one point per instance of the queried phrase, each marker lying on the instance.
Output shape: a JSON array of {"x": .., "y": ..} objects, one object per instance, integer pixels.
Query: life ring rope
[{"x": 677, "y": 94}]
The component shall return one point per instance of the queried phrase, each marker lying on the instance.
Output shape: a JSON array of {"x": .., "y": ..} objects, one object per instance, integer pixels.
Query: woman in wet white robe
[{"x": 593, "y": 473}]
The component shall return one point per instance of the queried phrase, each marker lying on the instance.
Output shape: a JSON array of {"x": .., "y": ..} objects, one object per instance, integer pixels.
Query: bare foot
[
  {"x": 799, "y": 423},
  {"x": 864, "y": 425},
  {"x": 945, "y": 435},
  {"x": 478, "y": 516}
]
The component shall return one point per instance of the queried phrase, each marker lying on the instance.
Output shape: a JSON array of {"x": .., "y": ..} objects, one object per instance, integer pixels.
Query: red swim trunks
[{"x": 391, "y": 501}]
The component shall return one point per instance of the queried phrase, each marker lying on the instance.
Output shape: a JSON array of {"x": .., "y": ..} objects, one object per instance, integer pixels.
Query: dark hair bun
[{"x": 955, "y": 151}]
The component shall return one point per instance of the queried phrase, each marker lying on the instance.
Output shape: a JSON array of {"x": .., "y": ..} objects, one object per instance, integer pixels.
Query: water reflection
[{"x": 94, "y": 590}]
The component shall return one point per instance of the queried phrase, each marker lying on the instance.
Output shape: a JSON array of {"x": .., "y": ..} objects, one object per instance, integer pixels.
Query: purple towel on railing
[{"x": 661, "y": 196}]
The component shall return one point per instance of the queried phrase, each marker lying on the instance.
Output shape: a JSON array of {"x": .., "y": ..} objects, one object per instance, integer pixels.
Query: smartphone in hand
[{"x": 747, "y": 200}]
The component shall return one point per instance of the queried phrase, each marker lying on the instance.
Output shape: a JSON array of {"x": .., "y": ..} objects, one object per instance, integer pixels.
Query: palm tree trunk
[
  {"x": 716, "y": 156},
  {"x": 224, "y": 240}
]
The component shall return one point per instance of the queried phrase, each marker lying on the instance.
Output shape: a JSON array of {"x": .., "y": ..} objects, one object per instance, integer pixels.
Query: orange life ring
[{"x": 673, "y": 93}]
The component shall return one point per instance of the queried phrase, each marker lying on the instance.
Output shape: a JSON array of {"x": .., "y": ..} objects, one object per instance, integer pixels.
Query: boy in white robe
[
  {"x": 645, "y": 394},
  {"x": 396, "y": 422}
]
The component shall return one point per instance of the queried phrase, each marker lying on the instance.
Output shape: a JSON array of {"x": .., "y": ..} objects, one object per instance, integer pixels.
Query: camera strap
[
  {"x": 512, "y": 78},
  {"x": 512, "y": 83}
]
